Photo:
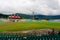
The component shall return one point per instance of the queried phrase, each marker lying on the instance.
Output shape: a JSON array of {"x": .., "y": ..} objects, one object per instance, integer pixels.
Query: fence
[{"x": 29, "y": 37}]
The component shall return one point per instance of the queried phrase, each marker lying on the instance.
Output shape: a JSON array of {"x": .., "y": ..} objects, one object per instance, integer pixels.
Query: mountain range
[{"x": 38, "y": 16}]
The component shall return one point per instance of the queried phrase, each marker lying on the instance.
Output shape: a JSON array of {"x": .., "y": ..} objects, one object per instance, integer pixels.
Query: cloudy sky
[{"x": 46, "y": 7}]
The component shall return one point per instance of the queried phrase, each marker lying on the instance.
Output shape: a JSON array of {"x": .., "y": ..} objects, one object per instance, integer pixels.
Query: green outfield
[{"x": 18, "y": 26}]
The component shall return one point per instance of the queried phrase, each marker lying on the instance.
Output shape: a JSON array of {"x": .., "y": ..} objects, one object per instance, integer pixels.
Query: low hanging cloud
[{"x": 46, "y": 7}]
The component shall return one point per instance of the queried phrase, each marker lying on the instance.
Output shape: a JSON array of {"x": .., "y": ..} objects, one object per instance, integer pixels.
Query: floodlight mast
[{"x": 32, "y": 13}]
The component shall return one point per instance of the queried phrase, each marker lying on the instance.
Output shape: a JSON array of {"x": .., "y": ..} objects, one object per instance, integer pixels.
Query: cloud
[{"x": 45, "y": 7}]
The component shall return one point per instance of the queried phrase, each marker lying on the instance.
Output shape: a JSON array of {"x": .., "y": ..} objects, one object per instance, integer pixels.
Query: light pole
[{"x": 33, "y": 15}]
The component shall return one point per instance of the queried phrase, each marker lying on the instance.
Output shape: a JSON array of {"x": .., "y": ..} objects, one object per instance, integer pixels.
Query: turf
[{"x": 18, "y": 26}]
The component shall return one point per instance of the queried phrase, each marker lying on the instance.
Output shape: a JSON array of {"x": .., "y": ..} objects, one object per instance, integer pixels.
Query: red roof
[{"x": 14, "y": 16}]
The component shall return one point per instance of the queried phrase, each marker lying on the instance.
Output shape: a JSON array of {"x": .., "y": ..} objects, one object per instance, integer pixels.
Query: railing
[{"x": 29, "y": 37}]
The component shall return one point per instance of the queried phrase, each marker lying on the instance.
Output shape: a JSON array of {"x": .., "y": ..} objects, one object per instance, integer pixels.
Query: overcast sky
[{"x": 46, "y": 7}]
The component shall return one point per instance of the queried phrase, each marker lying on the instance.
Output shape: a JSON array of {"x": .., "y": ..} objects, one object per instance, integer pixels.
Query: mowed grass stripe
[{"x": 18, "y": 26}]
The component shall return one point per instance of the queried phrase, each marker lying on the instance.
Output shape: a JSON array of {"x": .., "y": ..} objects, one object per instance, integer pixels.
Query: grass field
[{"x": 18, "y": 26}]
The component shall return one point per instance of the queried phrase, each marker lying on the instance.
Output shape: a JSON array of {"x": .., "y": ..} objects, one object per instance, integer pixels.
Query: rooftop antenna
[{"x": 15, "y": 14}]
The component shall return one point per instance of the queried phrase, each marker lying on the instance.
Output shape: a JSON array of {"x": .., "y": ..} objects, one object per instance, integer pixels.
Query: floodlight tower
[
  {"x": 50, "y": 14},
  {"x": 33, "y": 14}
]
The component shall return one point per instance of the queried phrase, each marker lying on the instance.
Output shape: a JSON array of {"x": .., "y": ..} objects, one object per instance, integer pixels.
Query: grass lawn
[{"x": 14, "y": 26}]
